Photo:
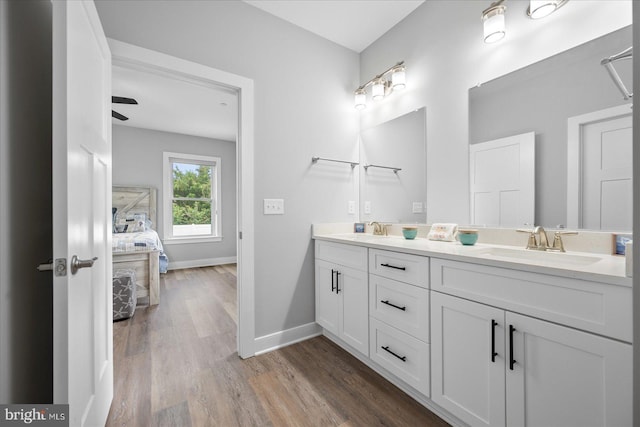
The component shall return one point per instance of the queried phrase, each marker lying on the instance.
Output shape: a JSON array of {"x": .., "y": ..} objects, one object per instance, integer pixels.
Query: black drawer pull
[
  {"x": 493, "y": 340},
  {"x": 333, "y": 282},
  {"x": 338, "y": 281},
  {"x": 393, "y": 266},
  {"x": 394, "y": 306},
  {"x": 512, "y": 361},
  {"x": 403, "y": 358}
]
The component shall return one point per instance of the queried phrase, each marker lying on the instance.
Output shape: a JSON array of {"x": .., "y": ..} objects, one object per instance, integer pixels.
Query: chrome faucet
[{"x": 378, "y": 228}]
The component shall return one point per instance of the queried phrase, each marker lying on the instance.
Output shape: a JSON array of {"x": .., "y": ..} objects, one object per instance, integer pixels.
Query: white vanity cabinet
[
  {"x": 342, "y": 292},
  {"x": 495, "y": 367},
  {"x": 399, "y": 311}
]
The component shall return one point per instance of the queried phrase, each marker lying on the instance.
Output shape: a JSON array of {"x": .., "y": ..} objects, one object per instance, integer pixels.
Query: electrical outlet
[
  {"x": 274, "y": 206},
  {"x": 367, "y": 207},
  {"x": 417, "y": 207}
]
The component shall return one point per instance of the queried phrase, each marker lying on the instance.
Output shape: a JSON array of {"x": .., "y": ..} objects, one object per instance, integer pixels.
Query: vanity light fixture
[
  {"x": 541, "y": 8},
  {"x": 493, "y": 22},
  {"x": 382, "y": 85}
]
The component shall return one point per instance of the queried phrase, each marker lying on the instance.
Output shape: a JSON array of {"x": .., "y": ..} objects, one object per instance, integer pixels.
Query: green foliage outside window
[{"x": 191, "y": 182}]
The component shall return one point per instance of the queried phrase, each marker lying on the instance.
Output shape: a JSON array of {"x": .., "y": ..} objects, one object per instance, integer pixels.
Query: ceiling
[
  {"x": 354, "y": 24},
  {"x": 172, "y": 105}
]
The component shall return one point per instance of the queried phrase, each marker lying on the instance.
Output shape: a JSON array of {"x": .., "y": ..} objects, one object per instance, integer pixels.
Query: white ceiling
[
  {"x": 354, "y": 24},
  {"x": 172, "y": 105}
]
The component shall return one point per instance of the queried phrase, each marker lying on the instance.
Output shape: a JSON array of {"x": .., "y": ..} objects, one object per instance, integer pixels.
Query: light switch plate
[
  {"x": 417, "y": 207},
  {"x": 367, "y": 207},
  {"x": 352, "y": 207},
  {"x": 274, "y": 206}
]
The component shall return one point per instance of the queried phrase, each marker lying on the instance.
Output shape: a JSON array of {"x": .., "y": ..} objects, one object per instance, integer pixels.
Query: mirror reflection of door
[{"x": 602, "y": 147}]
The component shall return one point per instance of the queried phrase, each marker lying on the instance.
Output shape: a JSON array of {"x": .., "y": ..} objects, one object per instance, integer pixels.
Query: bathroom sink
[{"x": 523, "y": 255}]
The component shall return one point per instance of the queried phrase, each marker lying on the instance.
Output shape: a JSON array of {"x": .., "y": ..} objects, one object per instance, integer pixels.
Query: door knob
[{"x": 77, "y": 264}]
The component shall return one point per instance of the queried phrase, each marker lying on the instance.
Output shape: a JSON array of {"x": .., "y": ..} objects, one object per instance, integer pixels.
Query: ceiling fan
[{"x": 121, "y": 100}]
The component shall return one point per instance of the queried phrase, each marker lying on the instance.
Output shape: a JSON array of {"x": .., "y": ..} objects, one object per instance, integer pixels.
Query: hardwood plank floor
[{"x": 176, "y": 365}]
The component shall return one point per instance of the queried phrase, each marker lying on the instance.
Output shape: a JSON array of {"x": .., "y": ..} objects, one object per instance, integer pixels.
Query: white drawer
[
  {"x": 338, "y": 253},
  {"x": 591, "y": 306},
  {"x": 401, "y": 354},
  {"x": 406, "y": 268},
  {"x": 401, "y": 305}
]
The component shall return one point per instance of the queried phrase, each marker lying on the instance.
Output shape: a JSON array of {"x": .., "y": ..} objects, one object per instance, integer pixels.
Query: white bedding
[{"x": 131, "y": 242}]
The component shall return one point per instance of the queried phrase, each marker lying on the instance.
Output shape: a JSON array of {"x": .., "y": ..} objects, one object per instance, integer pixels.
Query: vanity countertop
[{"x": 578, "y": 265}]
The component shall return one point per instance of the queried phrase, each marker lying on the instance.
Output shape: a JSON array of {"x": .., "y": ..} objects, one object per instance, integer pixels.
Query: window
[{"x": 191, "y": 197}]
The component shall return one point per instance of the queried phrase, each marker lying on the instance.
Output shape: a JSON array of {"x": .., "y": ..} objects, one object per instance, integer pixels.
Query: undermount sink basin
[
  {"x": 523, "y": 255},
  {"x": 365, "y": 237}
]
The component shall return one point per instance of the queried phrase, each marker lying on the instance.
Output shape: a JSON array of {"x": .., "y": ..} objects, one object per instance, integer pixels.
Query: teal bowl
[
  {"x": 409, "y": 233},
  {"x": 468, "y": 237}
]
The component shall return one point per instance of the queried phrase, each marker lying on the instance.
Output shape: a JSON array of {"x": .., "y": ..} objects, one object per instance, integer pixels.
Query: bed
[{"x": 139, "y": 248}]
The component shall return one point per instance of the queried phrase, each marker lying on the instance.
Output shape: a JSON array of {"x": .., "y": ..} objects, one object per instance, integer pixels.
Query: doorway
[{"x": 129, "y": 56}]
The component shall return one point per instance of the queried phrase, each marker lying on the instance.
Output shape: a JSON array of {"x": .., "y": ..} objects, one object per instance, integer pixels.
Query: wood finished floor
[{"x": 176, "y": 365}]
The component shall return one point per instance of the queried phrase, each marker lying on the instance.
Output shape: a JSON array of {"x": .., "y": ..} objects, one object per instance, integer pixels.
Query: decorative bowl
[
  {"x": 468, "y": 236},
  {"x": 409, "y": 233}
]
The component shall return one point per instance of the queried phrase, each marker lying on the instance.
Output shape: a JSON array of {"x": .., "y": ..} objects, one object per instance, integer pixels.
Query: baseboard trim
[
  {"x": 267, "y": 343},
  {"x": 207, "y": 262}
]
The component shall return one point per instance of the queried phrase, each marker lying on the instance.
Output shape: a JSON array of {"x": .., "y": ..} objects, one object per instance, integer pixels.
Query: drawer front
[
  {"x": 347, "y": 255},
  {"x": 591, "y": 306},
  {"x": 401, "y": 354},
  {"x": 406, "y": 268},
  {"x": 403, "y": 306}
]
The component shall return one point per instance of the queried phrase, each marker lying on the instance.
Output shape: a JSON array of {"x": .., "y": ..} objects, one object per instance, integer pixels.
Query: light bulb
[
  {"x": 360, "y": 99},
  {"x": 377, "y": 90},
  {"x": 398, "y": 79},
  {"x": 493, "y": 24},
  {"x": 541, "y": 8}
]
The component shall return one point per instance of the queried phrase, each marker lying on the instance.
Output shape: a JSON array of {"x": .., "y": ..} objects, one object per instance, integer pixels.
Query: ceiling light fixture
[
  {"x": 493, "y": 21},
  {"x": 381, "y": 86},
  {"x": 541, "y": 8}
]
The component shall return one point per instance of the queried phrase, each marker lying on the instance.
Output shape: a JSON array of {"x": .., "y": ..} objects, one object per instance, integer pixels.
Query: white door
[
  {"x": 502, "y": 184},
  {"x": 607, "y": 175},
  {"x": 564, "y": 377},
  {"x": 599, "y": 169},
  {"x": 82, "y": 323},
  {"x": 353, "y": 289},
  {"x": 468, "y": 359}
]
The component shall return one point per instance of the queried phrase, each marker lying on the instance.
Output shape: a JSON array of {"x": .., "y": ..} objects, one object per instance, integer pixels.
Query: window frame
[{"x": 169, "y": 158}]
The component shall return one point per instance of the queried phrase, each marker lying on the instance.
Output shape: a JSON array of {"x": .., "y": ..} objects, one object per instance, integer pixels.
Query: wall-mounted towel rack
[
  {"x": 315, "y": 160},
  {"x": 395, "y": 170}
]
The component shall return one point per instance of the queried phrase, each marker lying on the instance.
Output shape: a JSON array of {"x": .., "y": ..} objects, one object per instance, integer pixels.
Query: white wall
[
  {"x": 445, "y": 55},
  {"x": 303, "y": 108},
  {"x": 26, "y": 344},
  {"x": 132, "y": 145}
]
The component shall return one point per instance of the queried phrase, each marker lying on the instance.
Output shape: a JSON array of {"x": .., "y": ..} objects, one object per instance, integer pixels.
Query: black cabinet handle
[
  {"x": 512, "y": 361},
  {"x": 338, "y": 281},
  {"x": 394, "y": 306},
  {"x": 393, "y": 266},
  {"x": 493, "y": 340},
  {"x": 333, "y": 284},
  {"x": 403, "y": 358}
]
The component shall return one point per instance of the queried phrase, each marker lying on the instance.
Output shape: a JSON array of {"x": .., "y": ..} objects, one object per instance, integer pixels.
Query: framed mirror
[
  {"x": 558, "y": 98},
  {"x": 393, "y": 178}
]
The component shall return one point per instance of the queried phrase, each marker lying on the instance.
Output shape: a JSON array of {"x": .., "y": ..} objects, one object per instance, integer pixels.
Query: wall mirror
[
  {"x": 393, "y": 178},
  {"x": 582, "y": 127}
]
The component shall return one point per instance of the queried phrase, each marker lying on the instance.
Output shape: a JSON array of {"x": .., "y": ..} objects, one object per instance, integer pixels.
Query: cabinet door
[
  {"x": 326, "y": 296},
  {"x": 564, "y": 377},
  {"x": 467, "y": 379},
  {"x": 353, "y": 289}
]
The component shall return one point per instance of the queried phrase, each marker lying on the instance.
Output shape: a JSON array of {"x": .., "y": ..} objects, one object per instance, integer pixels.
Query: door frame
[
  {"x": 131, "y": 56},
  {"x": 574, "y": 157}
]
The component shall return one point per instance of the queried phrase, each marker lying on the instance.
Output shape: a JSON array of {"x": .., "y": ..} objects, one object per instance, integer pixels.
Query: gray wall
[
  {"x": 138, "y": 160},
  {"x": 26, "y": 345},
  {"x": 540, "y": 98},
  {"x": 636, "y": 227},
  {"x": 303, "y": 108}
]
